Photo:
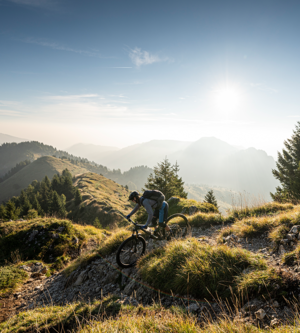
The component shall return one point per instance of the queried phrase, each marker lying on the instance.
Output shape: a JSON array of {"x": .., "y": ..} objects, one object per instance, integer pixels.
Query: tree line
[{"x": 42, "y": 198}]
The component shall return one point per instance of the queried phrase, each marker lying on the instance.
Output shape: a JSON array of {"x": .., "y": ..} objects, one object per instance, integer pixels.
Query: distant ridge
[
  {"x": 5, "y": 138},
  {"x": 37, "y": 170}
]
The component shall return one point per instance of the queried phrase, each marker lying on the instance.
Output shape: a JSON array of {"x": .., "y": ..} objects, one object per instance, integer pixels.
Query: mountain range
[{"x": 208, "y": 161}]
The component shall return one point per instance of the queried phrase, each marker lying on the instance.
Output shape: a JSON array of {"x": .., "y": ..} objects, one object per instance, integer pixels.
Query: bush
[
  {"x": 200, "y": 270},
  {"x": 10, "y": 278}
]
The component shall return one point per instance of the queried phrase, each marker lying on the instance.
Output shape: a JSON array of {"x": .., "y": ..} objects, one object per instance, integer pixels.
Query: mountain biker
[{"x": 154, "y": 200}]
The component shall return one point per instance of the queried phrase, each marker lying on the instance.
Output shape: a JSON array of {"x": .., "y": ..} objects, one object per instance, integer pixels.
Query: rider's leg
[{"x": 163, "y": 214}]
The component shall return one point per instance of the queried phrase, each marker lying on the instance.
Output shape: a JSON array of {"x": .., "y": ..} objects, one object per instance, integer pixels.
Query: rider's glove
[{"x": 128, "y": 216}]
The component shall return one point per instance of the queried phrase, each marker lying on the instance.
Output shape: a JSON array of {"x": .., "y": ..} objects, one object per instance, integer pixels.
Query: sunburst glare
[{"x": 227, "y": 98}]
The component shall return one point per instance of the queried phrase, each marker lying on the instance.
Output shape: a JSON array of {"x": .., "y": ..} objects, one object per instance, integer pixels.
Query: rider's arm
[
  {"x": 148, "y": 207},
  {"x": 135, "y": 209}
]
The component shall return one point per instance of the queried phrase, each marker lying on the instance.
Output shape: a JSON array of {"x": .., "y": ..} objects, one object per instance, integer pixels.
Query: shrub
[
  {"x": 10, "y": 278},
  {"x": 200, "y": 270}
]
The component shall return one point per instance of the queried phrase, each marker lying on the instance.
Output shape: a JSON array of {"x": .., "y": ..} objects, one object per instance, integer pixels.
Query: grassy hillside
[
  {"x": 102, "y": 198},
  {"x": 37, "y": 170},
  {"x": 51, "y": 240},
  {"x": 225, "y": 197}
]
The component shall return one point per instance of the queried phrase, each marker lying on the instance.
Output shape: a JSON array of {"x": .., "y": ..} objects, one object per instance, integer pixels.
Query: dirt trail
[{"x": 31, "y": 293}]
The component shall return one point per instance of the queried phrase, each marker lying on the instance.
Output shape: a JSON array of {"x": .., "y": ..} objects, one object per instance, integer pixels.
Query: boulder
[
  {"x": 295, "y": 229},
  {"x": 81, "y": 278},
  {"x": 173, "y": 200},
  {"x": 291, "y": 237},
  {"x": 260, "y": 314},
  {"x": 281, "y": 250},
  {"x": 193, "y": 307},
  {"x": 193, "y": 210},
  {"x": 32, "y": 235}
]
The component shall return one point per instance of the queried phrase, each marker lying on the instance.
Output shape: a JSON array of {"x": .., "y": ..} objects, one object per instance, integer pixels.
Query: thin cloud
[
  {"x": 57, "y": 46},
  {"x": 263, "y": 87},
  {"x": 71, "y": 97},
  {"x": 10, "y": 113},
  {"x": 141, "y": 58},
  {"x": 34, "y": 3}
]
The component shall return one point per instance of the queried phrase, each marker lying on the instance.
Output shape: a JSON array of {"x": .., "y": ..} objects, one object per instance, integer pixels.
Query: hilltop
[
  {"x": 102, "y": 198},
  {"x": 37, "y": 170}
]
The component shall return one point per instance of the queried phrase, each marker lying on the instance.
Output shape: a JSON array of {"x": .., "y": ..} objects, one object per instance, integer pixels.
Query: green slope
[
  {"x": 102, "y": 198},
  {"x": 37, "y": 170}
]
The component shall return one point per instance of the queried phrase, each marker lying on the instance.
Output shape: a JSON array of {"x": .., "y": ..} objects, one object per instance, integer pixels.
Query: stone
[
  {"x": 274, "y": 322},
  {"x": 260, "y": 314},
  {"x": 173, "y": 200},
  {"x": 128, "y": 301},
  {"x": 193, "y": 307},
  {"x": 291, "y": 237},
  {"x": 75, "y": 240},
  {"x": 97, "y": 289},
  {"x": 32, "y": 235},
  {"x": 61, "y": 229},
  {"x": 81, "y": 278},
  {"x": 130, "y": 287},
  {"x": 44, "y": 270},
  {"x": 275, "y": 304},
  {"x": 193, "y": 210},
  {"x": 252, "y": 305},
  {"x": 295, "y": 229},
  {"x": 25, "y": 268},
  {"x": 281, "y": 250}
]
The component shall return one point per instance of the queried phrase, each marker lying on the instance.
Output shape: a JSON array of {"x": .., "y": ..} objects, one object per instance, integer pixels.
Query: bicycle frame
[{"x": 137, "y": 228}]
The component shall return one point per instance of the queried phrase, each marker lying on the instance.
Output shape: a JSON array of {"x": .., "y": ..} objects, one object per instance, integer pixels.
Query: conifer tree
[
  {"x": 165, "y": 179},
  {"x": 78, "y": 197},
  {"x": 211, "y": 199},
  {"x": 2, "y": 212},
  {"x": 67, "y": 184},
  {"x": 11, "y": 213},
  {"x": 57, "y": 207},
  {"x": 97, "y": 223},
  {"x": 288, "y": 170},
  {"x": 55, "y": 184},
  {"x": 25, "y": 207},
  {"x": 36, "y": 205}
]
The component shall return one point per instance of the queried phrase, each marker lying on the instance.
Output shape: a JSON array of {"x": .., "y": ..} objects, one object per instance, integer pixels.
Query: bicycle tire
[
  {"x": 127, "y": 251},
  {"x": 180, "y": 230}
]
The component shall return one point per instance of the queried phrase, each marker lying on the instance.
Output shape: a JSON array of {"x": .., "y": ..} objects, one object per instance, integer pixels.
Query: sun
[{"x": 227, "y": 98}]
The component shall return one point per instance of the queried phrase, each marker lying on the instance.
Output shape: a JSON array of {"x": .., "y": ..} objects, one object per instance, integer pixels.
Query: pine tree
[
  {"x": 36, "y": 205},
  {"x": 57, "y": 207},
  {"x": 26, "y": 206},
  {"x": 288, "y": 170},
  {"x": 11, "y": 212},
  {"x": 165, "y": 179},
  {"x": 211, "y": 199},
  {"x": 67, "y": 184},
  {"x": 78, "y": 198},
  {"x": 2, "y": 212},
  {"x": 97, "y": 223}
]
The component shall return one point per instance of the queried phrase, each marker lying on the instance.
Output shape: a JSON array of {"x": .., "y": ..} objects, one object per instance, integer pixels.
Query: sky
[{"x": 116, "y": 73}]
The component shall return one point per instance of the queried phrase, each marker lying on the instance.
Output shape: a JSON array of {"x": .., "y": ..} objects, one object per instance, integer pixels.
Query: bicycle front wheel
[
  {"x": 130, "y": 251},
  {"x": 179, "y": 226}
]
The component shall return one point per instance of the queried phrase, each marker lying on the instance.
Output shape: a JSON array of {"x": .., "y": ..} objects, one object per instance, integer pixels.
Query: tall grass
[
  {"x": 201, "y": 270},
  {"x": 277, "y": 226}
]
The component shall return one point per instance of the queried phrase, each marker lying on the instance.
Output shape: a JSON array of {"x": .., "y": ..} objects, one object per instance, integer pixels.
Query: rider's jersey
[{"x": 149, "y": 205}]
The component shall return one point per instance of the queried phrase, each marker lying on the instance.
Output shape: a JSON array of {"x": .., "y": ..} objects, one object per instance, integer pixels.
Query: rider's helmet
[{"x": 134, "y": 194}]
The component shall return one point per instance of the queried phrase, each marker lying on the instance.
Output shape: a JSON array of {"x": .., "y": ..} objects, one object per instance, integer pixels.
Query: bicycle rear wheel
[
  {"x": 180, "y": 228},
  {"x": 130, "y": 251}
]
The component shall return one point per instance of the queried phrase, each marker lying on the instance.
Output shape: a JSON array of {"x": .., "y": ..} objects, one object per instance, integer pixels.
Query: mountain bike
[{"x": 135, "y": 246}]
